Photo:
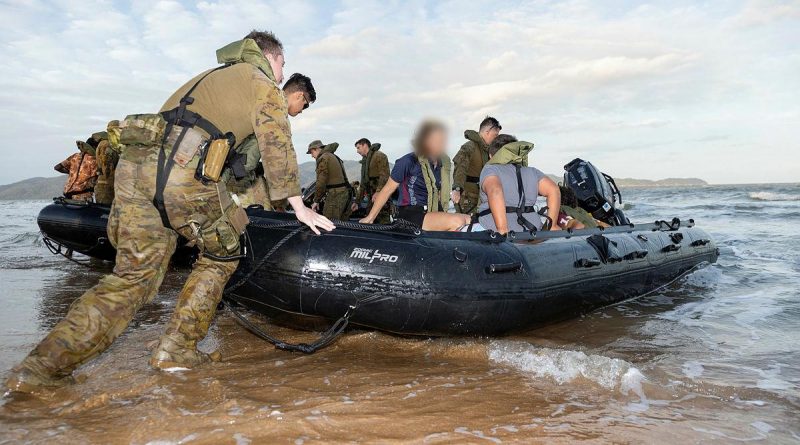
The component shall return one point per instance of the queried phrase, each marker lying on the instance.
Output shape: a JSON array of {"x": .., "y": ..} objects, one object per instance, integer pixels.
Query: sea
[{"x": 712, "y": 358}]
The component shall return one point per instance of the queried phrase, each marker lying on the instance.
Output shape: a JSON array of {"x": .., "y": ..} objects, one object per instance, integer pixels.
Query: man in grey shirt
[{"x": 499, "y": 189}]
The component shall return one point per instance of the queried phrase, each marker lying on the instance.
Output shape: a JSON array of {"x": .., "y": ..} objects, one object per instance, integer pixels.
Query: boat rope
[{"x": 324, "y": 339}]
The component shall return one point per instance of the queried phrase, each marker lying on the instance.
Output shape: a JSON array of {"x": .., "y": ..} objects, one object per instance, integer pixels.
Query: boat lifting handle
[
  {"x": 588, "y": 262},
  {"x": 504, "y": 268}
]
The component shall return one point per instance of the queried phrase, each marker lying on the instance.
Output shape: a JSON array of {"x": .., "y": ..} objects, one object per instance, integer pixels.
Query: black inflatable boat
[{"x": 403, "y": 281}]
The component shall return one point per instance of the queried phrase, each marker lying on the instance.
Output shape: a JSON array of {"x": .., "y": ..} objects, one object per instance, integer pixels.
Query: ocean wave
[
  {"x": 27, "y": 238},
  {"x": 564, "y": 366},
  {"x": 773, "y": 196}
]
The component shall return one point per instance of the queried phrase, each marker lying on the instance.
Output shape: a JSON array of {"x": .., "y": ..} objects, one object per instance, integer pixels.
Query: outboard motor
[{"x": 597, "y": 193}]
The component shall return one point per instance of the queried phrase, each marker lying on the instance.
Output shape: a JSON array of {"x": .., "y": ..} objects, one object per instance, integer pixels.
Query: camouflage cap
[
  {"x": 85, "y": 148},
  {"x": 314, "y": 144}
]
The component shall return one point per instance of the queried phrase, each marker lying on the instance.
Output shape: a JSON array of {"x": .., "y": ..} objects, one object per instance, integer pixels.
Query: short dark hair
[
  {"x": 363, "y": 141},
  {"x": 488, "y": 123},
  {"x": 499, "y": 142},
  {"x": 267, "y": 41},
  {"x": 298, "y": 82}
]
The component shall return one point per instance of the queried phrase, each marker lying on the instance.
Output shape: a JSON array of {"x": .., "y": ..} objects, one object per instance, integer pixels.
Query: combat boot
[
  {"x": 30, "y": 376},
  {"x": 174, "y": 351}
]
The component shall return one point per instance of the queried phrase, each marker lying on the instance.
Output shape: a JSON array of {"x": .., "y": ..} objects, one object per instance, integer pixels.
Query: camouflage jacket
[
  {"x": 82, "y": 170},
  {"x": 245, "y": 99}
]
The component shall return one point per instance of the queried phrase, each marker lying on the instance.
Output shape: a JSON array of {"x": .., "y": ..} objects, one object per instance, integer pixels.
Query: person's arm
[
  {"x": 461, "y": 163},
  {"x": 271, "y": 126},
  {"x": 62, "y": 167},
  {"x": 380, "y": 200},
  {"x": 497, "y": 202},
  {"x": 550, "y": 190}
]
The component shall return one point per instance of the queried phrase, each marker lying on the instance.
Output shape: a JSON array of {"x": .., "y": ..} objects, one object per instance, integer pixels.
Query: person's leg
[
  {"x": 201, "y": 213},
  {"x": 443, "y": 222},
  {"x": 335, "y": 203},
  {"x": 96, "y": 319},
  {"x": 197, "y": 304}
]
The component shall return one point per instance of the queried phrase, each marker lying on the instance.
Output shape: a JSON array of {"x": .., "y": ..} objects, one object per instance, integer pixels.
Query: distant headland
[{"x": 46, "y": 188}]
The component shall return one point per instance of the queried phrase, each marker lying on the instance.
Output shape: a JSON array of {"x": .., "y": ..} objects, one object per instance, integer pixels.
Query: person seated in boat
[
  {"x": 572, "y": 216},
  {"x": 82, "y": 170},
  {"x": 501, "y": 207},
  {"x": 423, "y": 178}
]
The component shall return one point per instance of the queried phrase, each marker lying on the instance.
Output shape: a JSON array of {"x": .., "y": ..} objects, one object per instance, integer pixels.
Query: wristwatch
[{"x": 457, "y": 189}]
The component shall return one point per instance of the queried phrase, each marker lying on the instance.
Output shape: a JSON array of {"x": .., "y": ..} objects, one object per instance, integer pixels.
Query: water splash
[
  {"x": 565, "y": 366},
  {"x": 773, "y": 196}
]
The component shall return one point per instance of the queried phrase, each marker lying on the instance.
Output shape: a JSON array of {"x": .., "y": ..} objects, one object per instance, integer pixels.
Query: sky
[{"x": 643, "y": 90}]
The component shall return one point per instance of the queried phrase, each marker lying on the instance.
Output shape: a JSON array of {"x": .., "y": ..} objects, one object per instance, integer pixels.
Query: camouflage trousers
[
  {"x": 470, "y": 199},
  {"x": 144, "y": 247},
  {"x": 337, "y": 203}
]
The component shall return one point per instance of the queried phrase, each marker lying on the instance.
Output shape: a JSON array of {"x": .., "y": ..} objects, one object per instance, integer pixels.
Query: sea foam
[
  {"x": 774, "y": 196},
  {"x": 564, "y": 366}
]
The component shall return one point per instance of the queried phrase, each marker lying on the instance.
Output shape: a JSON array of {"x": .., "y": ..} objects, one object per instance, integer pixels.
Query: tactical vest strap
[
  {"x": 509, "y": 209},
  {"x": 473, "y": 179},
  {"x": 185, "y": 119},
  {"x": 519, "y": 210},
  {"x": 521, "y": 220}
]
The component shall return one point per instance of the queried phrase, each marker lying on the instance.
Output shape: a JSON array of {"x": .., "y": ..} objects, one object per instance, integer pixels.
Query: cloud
[{"x": 619, "y": 83}]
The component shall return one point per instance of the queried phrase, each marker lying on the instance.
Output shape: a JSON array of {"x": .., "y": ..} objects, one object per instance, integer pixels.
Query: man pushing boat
[{"x": 168, "y": 185}]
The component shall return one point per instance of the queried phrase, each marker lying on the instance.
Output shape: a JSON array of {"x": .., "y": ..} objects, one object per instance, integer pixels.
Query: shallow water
[{"x": 712, "y": 358}]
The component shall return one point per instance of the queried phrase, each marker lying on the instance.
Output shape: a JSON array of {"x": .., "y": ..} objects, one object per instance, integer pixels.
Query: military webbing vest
[
  {"x": 476, "y": 163},
  {"x": 516, "y": 154},
  {"x": 437, "y": 199},
  {"x": 337, "y": 176},
  {"x": 367, "y": 181}
]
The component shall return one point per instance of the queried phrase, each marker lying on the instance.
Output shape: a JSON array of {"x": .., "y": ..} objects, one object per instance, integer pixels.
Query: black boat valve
[
  {"x": 700, "y": 242},
  {"x": 671, "y": 248}
]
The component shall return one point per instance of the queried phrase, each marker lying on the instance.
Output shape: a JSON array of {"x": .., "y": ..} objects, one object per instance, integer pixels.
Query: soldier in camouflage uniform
[
  {"x": 82, "y": 170},
  {"x": 107, "y": 158},
  {"x": 332, "y": 184},
  {"x": 158, "y": 198},
  {"x": 299, "y": 94},
  {"x": 469, "y": 162},
  {"x": 374, "y": 174}
]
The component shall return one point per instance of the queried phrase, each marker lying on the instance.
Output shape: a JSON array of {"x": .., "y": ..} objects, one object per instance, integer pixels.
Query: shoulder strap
[
  {"x": 186, "y": 119},
  {"x": 521, "y": 220}
]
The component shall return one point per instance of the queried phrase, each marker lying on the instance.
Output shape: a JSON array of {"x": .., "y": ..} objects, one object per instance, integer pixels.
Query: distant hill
[
  {"x": 46, "y": 188},
  {"x": 34, "y": 188},
  {"x": 669, "y": 182}
]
